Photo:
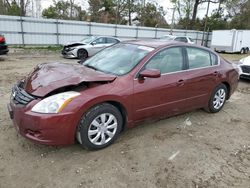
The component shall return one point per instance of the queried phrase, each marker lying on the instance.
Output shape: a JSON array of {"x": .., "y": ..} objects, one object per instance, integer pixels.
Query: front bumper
[
  {"x": 48, "y": 129},
  {"x": 244, "y": 71},
  {"x": 3, "y": 49},
  {"x": 69, "y": 53}
]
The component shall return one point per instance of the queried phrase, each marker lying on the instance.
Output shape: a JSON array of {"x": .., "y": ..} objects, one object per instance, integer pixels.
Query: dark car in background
[{"x": 3, "y": 46}]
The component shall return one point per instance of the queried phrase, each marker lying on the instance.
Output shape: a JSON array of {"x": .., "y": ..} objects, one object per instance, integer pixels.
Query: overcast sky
[{"x": 165, "y": 3}]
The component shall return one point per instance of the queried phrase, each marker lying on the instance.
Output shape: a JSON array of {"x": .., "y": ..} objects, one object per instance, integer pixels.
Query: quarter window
[
  {"x": 214, "y": 59},
  {"x": 198, "y": 58},
  {"x": 168, "y": 60}
]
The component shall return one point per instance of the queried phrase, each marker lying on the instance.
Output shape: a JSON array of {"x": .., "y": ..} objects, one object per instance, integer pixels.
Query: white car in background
[
  {"x": 244, "y": 68},
  {"x": 178, "y": 38},
  {"x": 87, "y": 47}
]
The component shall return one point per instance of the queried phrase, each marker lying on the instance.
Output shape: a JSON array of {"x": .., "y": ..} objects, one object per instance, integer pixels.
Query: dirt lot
[{"x": 196, "y": 149}]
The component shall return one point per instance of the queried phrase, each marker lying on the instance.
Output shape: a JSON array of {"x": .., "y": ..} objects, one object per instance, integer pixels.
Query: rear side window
[
  {"x": 181, "y": 39},
  {"x": 198, "y": 58},
  {"x": 111, "y": 41}
]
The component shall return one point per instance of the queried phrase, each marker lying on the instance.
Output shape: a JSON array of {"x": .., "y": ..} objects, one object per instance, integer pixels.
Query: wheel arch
[
  {"x": 84, "y": 50},
  {"x": 122, "y": 109},
  {"x": 116, "y": 103},
  {"x": 228, "y": 88}
]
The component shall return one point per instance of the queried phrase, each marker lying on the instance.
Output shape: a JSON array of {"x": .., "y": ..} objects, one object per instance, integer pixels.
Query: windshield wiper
[{"x": 91, "y": 67}]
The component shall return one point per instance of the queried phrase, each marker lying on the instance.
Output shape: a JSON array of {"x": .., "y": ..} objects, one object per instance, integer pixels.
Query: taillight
[{"x": 2, "y": 39}]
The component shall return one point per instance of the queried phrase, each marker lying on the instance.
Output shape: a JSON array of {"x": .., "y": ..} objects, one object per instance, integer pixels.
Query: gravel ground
[{"x": 195, "y": 149}]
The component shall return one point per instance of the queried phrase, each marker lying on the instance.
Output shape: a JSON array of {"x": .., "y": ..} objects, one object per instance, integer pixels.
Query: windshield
[
  {"x": 118, "y": 59},
  {"x": 88, "y": 39}
]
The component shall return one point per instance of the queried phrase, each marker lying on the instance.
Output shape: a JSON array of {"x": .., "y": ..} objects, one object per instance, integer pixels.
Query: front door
[{"x": 163, "y": 96}]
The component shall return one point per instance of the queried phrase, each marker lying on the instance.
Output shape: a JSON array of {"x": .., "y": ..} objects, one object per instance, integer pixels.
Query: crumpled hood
[
  {"x": 74, "y": 44},
  {"x": 48, "y": 77}
]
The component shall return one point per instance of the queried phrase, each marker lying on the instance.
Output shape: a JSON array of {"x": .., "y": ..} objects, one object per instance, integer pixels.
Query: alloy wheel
[
  {"x": 102, "y": 129},
  {"x": 219, "y": 98}
]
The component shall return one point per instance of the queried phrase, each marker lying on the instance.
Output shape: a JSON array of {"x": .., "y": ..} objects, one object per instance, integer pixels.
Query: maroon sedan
[{"x": 120, "y": 86}]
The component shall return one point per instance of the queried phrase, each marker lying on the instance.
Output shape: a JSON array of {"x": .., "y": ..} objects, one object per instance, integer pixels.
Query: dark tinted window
[
  {"x": 168, "y": 60},
  {"x": 111, "y": 41},
  {"x": 198, "y": 58},
  {"x": 181, "y": 39}
]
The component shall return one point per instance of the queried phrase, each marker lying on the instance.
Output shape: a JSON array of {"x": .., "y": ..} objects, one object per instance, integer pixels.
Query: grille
[
  {"x": 19, "y": 96},
  {"x": 245, "y": 69},
  {"x": 66, "y": 49}
]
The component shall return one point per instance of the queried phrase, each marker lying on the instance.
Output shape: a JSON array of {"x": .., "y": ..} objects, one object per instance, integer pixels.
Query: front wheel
[
  {"x": 82, "y": 54},
  {"x": 218, "y": 98},
  {"x": 99, "y": 127},
  {"x": 242, "y": 51}
]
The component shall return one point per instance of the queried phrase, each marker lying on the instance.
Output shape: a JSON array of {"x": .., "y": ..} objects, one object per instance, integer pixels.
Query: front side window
[
  {"x": 167, "y": 61},
  {"x": 198, "y": 58},
  {"x": 191, "y": 40}
]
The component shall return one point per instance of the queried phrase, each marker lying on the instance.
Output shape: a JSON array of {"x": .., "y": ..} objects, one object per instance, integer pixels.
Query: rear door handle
[
  {"x": 180, "y": 82},
  {"x": 216, "y": 73}
]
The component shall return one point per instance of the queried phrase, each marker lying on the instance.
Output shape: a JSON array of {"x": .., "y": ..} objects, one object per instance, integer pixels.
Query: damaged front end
[
  {"x": 44, "y": 105},
  {"x": 70, "y": 51}
]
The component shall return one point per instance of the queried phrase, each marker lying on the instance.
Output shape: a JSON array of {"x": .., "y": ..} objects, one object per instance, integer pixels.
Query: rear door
[
  {"x": 163, "y": 96},
  {"x": 202, "y": 76}
]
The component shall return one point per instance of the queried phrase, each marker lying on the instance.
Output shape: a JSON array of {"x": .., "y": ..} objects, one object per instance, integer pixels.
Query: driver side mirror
[
  {"x": 150, "y": 73},
  {"x": 93, "y": 43}
]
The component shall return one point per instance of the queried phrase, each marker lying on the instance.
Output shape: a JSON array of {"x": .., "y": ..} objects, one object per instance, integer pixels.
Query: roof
[
  {"x": 157, "y": 43},
  {"x": 154, "y": 43}
]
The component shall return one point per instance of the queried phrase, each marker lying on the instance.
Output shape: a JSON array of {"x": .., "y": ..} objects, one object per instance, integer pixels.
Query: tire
[
  {"x": 217, "y": 99},
  {"x": 82, "y": 54},
  {"x": 94, "y": 131},
  {"x": 247, "y": 50},
  {"x": 242, "y": 51}
]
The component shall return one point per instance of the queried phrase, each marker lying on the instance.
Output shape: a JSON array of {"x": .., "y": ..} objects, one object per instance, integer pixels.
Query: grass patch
[
  {"x": 48, "y": 48},
  {"x": 233, "y": 57}
]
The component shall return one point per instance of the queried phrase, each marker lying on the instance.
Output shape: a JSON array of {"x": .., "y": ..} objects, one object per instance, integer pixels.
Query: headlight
[{"x": 55, "y": 103}]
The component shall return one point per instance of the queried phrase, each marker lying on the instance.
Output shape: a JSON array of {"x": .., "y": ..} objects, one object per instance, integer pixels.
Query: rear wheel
[
  {"x": 247, "y": 50},
  {"x": 99, "y": 127},
  {"x": 82, "y": 54},
  {"x": 218, "y": 98}
]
